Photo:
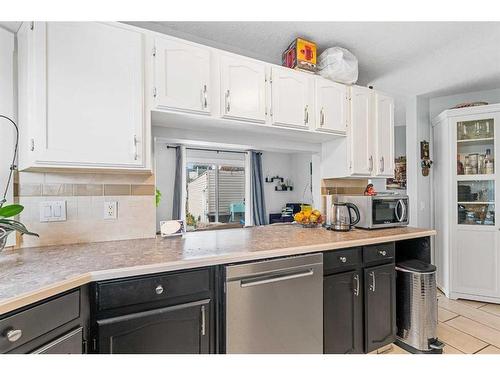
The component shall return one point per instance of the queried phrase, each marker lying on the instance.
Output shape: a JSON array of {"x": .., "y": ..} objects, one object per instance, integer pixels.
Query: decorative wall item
[{"x": 425, "y": 156}]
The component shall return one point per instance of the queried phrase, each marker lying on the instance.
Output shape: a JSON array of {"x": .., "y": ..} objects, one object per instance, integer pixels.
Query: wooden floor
[{"x": 467, "y": 327}]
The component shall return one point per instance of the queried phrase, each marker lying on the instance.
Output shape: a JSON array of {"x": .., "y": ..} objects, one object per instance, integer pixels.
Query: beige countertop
[{"x": 32, "y": 274}]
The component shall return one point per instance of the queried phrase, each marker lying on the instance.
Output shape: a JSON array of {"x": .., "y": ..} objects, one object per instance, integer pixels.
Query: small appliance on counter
[
  {"x": 384, "y": 210},
  {"x": 340, "y": 216}
]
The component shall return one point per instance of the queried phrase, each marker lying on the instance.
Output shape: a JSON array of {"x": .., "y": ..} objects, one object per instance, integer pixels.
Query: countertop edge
[{"x": 75, "y": 281}]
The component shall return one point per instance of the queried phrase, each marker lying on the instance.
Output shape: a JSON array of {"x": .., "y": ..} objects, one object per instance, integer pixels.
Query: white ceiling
[{"x": 401, "y": 58}]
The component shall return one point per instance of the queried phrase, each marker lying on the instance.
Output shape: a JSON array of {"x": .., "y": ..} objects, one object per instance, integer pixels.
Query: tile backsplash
[{"x": 85, "y": 194}]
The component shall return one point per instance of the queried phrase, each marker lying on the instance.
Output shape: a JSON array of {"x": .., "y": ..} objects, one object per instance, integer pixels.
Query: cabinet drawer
[
  {"x": 340, "y": 260},
  {"x": 381, "y": 252},
  {"x": 154, "y": 288},
  {"x": 70, "y": 343},
  {"x": 38, "y": 320}
]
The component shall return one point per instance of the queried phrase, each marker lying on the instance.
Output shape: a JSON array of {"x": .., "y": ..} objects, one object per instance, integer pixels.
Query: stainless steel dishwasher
[{"x": 275, "y": 306}]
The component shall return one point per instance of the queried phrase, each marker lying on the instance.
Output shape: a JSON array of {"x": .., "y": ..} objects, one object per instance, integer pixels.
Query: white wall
[
  {"x": 399, "y": 141},
  {"x": 439, "y": 104},
  {"x": 292, "y": 166},
  {"x": 7, "y": 95},
  {"x": 418, "y": 186}
]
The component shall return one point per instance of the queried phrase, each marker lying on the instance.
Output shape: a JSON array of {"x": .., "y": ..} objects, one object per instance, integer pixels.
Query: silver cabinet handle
[
  {"x": 275, "y": 279},
  {"x": 372, "y": 286},
  {"x": 322, "y": 117},
  {"x": 228, "y": 101},
  {"x": 356, "y": 287},
  {"x": 203, "y": 321},
  {"x": 159, "y": 289},
  {"x": 382, "y": 252},
  {"x": 14, "y": 334},
  {"x": 382, "y": 164},
  {"x": 343, "y": 259},
  {"x": 136, "y": 155},
  {"x": 370, "y": 160},
  {"x": 205, "y": 97},
  {"x": 306, "y": 114}
]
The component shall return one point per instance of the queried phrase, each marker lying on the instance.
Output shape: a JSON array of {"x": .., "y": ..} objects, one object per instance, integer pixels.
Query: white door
[
  {"x": 89, "y": 86},
  {"x": 243, "y": 83},
  {"x": 331, "y": 106},
  {"x": 291, "y": 98},
  {"x": 182, "y": 76},
  {"x": 384, "y": 135},
  {"x": 360, "y": 132}
]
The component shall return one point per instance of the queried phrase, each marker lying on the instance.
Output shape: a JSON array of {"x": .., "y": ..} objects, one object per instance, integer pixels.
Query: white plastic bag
[{"x": 338, "y": 64}]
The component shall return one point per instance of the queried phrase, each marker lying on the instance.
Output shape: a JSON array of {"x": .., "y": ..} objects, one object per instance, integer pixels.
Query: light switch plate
[
  {"x": 110, "y": 210},
  {"x": 52, "y": 211}
]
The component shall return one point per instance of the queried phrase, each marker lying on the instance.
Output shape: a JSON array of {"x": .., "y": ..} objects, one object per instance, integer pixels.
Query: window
[{"x": 215, "y": 189}]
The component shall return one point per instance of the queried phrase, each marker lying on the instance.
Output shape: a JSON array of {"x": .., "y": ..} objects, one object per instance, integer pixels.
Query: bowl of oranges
[{"x": 308, "y": 217}]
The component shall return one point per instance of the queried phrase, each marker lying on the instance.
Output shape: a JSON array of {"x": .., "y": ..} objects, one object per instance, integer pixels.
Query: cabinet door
[
  {"x": 380, "y": 306},
  {"x": 331, "y": 106},
  {"x": 476, "y": 261},
  {"x": 291, "y": 98},
  {"x": 86, "y": 89},
  {"x": 360, "y": 132},
  {"x": 243, "y": 89},
  {"x": 182, "y": 76},
  {"x": 343, "y": 313},
  {"x": 181, "y": 329},
  {"x": 384, "y": 135}
]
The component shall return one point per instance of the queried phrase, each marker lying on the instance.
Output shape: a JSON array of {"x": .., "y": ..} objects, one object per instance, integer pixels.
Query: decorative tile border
[{"x": 78, "y": 190}]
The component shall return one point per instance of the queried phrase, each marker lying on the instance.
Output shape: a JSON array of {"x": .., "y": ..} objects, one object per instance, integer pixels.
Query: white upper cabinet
[
  {"x": 182, "y": 76},
  {"x": 332, "y": 104},
  {"x": 384, "y": 131},
  {"x": 292, "y": 98},
  {"x": 81, "y": 96},
  {"x": 243, "y": 92},
  {"x": 360, "y": 134}
]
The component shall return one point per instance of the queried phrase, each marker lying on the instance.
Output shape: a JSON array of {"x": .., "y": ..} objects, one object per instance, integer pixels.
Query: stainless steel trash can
[{"x": 416, "y": 307}]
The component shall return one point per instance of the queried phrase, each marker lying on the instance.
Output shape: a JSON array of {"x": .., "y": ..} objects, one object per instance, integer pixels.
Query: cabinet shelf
[
  {"x": 475, "y": 177},
  {"x": 478, "y": 141},
  {"x": 475, "y": 202}
]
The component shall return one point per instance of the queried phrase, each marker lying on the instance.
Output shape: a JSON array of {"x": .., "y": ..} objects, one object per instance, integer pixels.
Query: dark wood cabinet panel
[
  {"x": 380, "y": 306},
  {"x": 343, "y": 313},
  {"x": 180, "y": 329}
]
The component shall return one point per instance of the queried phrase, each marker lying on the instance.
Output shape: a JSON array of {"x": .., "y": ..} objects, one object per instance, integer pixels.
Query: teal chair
[{"x": 236, "y": 208}]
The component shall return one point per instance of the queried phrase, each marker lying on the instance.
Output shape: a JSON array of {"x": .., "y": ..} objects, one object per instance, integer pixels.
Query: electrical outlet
[
  {"x": 110, "y": 210},
  {"x": 52, "y": 211}
]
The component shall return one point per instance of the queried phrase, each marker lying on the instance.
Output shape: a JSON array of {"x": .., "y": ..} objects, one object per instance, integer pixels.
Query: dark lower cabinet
[
  {"x": 181, "y": 329},
  {"x": 343, "y": 313},
  {"x": 380, "y": 306}
]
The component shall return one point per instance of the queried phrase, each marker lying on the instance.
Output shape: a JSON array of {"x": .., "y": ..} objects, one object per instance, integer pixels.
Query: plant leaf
[
  {"x": 16, "y": 226},
  {"x": 11, "y": 210}
]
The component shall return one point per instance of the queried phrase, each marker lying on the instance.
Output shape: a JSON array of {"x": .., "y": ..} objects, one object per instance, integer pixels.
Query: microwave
[{"x": 381, "y": 210}]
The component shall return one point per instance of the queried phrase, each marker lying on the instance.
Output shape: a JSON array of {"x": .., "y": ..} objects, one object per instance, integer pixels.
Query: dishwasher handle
[{"x": 274, "y": 279}]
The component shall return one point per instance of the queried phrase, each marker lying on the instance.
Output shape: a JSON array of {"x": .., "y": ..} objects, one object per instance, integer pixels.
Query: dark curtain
[
  {"x": 258, "y": 201},
  {"x": 176, "y": 208}
]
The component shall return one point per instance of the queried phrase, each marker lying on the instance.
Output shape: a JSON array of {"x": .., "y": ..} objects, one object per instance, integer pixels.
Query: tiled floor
[{"x": 467, "y": 327}]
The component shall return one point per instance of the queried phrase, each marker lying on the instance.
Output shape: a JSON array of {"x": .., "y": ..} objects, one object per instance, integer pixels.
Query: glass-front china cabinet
[{"x": 466, "y": 248}]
